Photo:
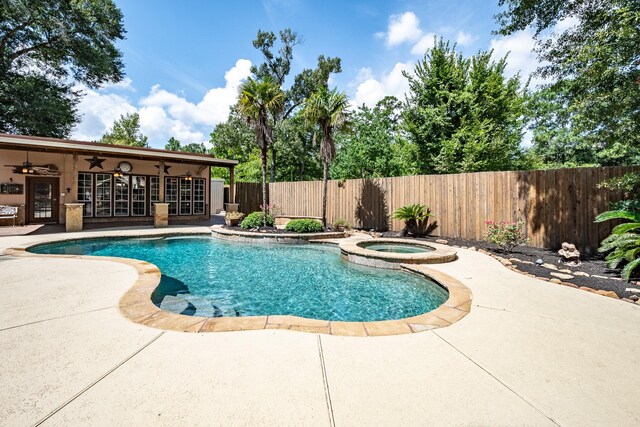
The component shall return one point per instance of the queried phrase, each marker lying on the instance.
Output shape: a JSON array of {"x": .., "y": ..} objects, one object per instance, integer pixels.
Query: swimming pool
[{"x": 203, "y": 276}]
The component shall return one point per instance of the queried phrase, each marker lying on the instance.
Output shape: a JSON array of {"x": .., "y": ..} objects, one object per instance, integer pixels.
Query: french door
[{"x": 42, "y": 199}]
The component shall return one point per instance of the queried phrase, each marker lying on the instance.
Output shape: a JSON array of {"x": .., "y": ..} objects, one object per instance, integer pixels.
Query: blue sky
[{"x": 185, "y": 60}]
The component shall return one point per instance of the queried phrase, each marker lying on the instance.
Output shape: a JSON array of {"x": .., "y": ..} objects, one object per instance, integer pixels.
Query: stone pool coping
[
  {"x": 358, "y": 253},
  {"x": 136, "y": 304},
  {"x": 252, "y": 236}
]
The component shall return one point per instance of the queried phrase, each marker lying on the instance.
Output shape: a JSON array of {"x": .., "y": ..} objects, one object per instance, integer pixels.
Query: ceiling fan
[{"x": 28, "y": 168}]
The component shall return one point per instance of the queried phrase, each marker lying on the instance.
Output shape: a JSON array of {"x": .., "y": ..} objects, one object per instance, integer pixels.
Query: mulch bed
[
  {"x": 600, "y": 276},
  {"x": 270, "y": 230}
]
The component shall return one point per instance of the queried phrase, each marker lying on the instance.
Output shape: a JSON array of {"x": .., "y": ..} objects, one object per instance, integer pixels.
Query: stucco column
[
  {"x": 73, "y": 197},
  {"x": 161, "y": 215},
  {"x": 73, "y": 216}
]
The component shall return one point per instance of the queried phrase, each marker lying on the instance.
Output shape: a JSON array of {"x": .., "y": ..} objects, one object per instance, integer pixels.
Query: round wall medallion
[{"x": 125, "y": 166}]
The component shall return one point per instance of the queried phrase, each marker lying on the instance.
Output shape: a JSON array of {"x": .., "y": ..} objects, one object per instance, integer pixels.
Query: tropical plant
[
  {"x": 341, "y": 224},
  {"x": 259, "y": 101},
  {"x": 507, "y": 235},
  {"x": 416, "y": 219},
  {"x": 329, "y": 110},
  {"x": 304, "y": 225},
  {"x": 256, "y": 219},
  {"x": 623, "y": 244}
]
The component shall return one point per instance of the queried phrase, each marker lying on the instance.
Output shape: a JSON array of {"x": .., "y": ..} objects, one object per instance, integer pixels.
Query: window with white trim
[
  {"x": 138, "y": 195},
  {"x": 199, "y": 188},
  {"x": 185, "y": 196},
  {"x": 85, "y": 193},
  {"x": 171, "y": 194},
  {"x": 103, "y": 194},
  {"x": 121, "y": 196}
]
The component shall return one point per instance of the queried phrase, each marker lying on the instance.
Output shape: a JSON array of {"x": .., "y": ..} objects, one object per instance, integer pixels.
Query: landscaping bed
[{"x": 592, "y": 273}]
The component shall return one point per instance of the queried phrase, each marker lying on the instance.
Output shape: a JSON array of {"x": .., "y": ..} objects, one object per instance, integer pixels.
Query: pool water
[
  {"x": 398, "y": 248},
  {"x": 204, "y": 276}
]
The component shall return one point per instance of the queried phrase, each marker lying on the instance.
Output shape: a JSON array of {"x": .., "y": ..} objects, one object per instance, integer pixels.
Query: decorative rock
[
  {"x": 627, "y": 300},
  {"x": 634, "y": 298},
  {"x": 539, "y": 261},
  {"x": 514, "y": 260},
  {"x": 442, "y": 241},
  {"x": 565, "y": 270},
  {"x": 569, "y": 254},
  {"x": 549, "y": 266},
  {"x": 526, "y": 262},
  {"x": 599, "y": 277},
  {"x": 546, "y": 279},
  {"x": 588, "y": 289},
  {"x": 609, "y": 294},
  {"x": 556, "y": 281},
  {"x": 580, "y": 273},
  {"x": 472, "y": 248},
  {"x": 505, "y": 262},
  {"x": 570, "y": 285},
  {"x": 562, "y": 276}
]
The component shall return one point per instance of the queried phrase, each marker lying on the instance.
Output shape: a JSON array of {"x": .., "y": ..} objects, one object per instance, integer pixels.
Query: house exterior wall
[{"x": 68, "y": 178}]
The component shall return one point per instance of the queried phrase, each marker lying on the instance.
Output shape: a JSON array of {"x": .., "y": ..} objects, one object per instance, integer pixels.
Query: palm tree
[
  {"x": 330, "y": 111},
  {"x": 260, "y": 100}
]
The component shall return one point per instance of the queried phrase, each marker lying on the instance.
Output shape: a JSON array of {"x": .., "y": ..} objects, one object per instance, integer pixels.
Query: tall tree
[
  {"x": 126, "y": 131},
  {"x": 44, "y": 46},
  {"x": 278, "y": 67},
  {"x": 463, "y": 114},
  {"x": 235, "y": 139},
  {"x": 173, "y": 145},
  {"x": 329, "y": 110},
  {"x": 594, "y": 69},
  {"x": 259, "y": 101},
  {"x": 375, "y": 146}
]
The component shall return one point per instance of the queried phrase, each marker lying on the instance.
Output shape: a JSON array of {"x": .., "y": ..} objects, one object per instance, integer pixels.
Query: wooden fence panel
[{"x": 557, "y": 205}]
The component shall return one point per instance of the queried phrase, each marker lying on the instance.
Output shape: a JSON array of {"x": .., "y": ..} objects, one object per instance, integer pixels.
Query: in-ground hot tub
[{"x": 390, "y": 253}]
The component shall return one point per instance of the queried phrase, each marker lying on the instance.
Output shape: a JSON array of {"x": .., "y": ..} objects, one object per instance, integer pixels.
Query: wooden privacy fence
[{"x": 558, "y": 205}]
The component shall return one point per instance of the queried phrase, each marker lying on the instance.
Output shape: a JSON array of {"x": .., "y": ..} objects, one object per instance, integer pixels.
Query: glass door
[{"x": 43, "y": 200}]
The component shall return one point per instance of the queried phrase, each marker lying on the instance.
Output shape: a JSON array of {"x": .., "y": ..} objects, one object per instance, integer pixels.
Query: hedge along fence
[{"x": 558, "y": 205}]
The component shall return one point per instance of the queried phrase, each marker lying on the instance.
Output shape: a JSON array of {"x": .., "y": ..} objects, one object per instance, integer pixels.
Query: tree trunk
[
  {"x": 325, "y": 179},
  {"x": 265, "y": 201},
  {"x": 272, "y": 177}
]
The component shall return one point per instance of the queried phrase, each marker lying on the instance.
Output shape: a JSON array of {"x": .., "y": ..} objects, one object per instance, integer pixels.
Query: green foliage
[
  {"x": 260, "y": 101},
  {"x": 329, "y": 111},
  {"x": 594, "y": 96},
  {"x": 507, "y": 235},
  {"x": 623, "y": 244},
  {"x": 126, "y": 131},
  {"x": 257, "y": 219},
  {"x": 629, "y": 186},
  {"x": 416, "y": 219},
  {"x": 341, "y": 224},
  {"x": 44, "y": 46},
  {"x": 462, "y": 114},
  {"x": 234, "y": 215},
  {"x": 304, "y": 226},
  {"x": 173, "y": 145},
  {"x": 374, "y": 146}
]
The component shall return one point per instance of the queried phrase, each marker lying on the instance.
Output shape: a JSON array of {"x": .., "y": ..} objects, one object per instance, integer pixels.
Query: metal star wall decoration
[
  {"x": 95, "y": 162},
  {"x": 166, "y": 168}
]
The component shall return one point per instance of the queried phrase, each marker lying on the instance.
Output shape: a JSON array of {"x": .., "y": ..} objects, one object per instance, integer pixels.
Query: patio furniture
[{"x": 9, "y": 212}]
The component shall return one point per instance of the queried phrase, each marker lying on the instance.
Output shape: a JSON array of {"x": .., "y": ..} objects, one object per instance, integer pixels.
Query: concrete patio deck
[{"x": 528, "y": 353}]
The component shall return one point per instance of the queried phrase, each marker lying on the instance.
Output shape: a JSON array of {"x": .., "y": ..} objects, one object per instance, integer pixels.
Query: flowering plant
[
  {"x": 507, "y": 235},
  {"x": 273, "y": 209}
]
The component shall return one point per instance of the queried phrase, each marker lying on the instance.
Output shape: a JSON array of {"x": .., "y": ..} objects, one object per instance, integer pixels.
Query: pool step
[
  {"x": 203, "y": 306},
  {"x": 174, "y": 304}
]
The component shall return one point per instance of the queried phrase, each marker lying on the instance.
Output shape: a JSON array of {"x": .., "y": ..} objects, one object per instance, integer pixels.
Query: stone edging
[
  {"x": 358, "y": 253},
  {"x": 511, "y": 266},
  {"x": 136, "y": 305},
  {"x": 252, "y": 236}
]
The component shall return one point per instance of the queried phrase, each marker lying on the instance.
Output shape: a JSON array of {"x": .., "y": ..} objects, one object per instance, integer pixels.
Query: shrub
[
  {"x": 507, "y": 235},
  {"x": 341, "y": 224},
  {"x": 234, "y": 215},
  {"x": 416, "y": 219},
  {"x": 623, "y": 244},
  {"x": 304, "y": 226},
  {"x": 254, "y": 220}
]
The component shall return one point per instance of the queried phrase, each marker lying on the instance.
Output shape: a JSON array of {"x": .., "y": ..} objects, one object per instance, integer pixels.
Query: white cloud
[
  {"x": 403, "y": 28},
  {"x": 162, "y": 113},
  {"x": 465, "y": 39},
  {"x": 370, "y": 90},
  {"x": 522, "y": 58},
  {"x": 425, "y": 43}
]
